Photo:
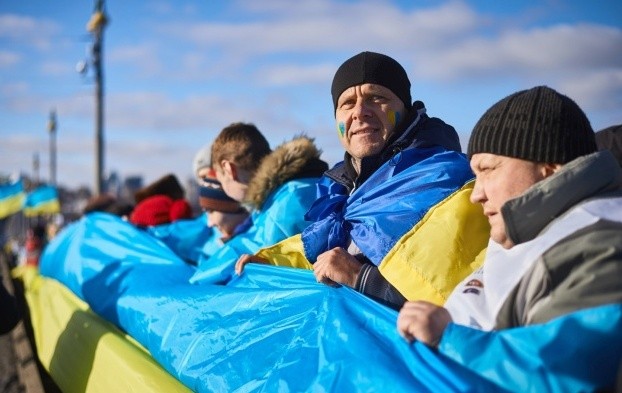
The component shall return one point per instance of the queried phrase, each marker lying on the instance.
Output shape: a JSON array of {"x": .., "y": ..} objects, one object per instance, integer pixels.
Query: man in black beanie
[
  {"x": 399, "y": 165},
  {"x": 554, "y": 261}
]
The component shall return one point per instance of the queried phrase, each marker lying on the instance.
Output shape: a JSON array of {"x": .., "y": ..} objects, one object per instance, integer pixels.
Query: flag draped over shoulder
[
  {"x": 42, "y": 200},
  {"x": 11, "y": 198}
]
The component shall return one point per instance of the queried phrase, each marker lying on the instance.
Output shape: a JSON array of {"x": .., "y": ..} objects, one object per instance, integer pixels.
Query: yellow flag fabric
[
  {"x": 11, "y": 198},
  {"x": 288, "y": 252},
  {"x": 440, "y": 251},
  {"x": 83, "y": 352},
  {"x": 42, "y": 200},
  {"x": 429, "y": 260}
]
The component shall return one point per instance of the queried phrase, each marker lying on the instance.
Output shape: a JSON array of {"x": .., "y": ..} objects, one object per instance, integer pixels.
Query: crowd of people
[{"x": 522, "y": 230}]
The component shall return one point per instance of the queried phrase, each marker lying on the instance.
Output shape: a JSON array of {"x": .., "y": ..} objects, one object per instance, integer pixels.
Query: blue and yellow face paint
[
  {"x": 394, "y": 117},
  {"x": 341, "y": 129}
]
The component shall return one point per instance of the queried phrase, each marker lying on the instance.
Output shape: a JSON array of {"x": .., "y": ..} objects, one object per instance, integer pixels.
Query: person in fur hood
[{"x": 277, "y": 187}]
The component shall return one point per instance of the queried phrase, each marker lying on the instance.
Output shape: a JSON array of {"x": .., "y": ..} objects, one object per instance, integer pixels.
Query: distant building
[{"x": 131, "y": 184}]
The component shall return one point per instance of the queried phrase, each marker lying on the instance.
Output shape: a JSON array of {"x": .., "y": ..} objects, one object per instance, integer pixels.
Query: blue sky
[{"x": 178, "y": 71}]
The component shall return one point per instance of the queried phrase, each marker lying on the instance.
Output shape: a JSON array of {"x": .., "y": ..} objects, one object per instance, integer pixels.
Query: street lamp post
[
  {"x": 96, "y": 26},
  {"x": 35, "y": 167},
  {"x": 52, "y": 129}
]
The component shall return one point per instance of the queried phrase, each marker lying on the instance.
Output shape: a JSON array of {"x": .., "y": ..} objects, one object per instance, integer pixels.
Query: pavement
[{"x": 20, "y": 369}]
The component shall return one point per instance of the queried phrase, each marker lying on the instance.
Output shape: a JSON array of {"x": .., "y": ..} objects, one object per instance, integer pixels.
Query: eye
[{"x": 347, "y": 104}]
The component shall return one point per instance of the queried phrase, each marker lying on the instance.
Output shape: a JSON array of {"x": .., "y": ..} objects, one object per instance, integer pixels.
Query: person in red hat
[
  {"x": 160, "y": 202},
  {"x": 160, "y": 209}
]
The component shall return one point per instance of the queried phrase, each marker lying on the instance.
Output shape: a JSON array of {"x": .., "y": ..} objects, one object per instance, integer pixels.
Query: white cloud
[
  {"x": 313, "y": 26},
  {"x": 9, "y": 59},
  {"x": 554, "y": 51},
  {"x": 601, "y": 90},
  {"x": 38, "y": 33},
  {"x": 56, "y": 68},
  {"x": 283, "y": 75},
  {"x": 14, "y": 88},
  {"x": 143, "y": 57}
]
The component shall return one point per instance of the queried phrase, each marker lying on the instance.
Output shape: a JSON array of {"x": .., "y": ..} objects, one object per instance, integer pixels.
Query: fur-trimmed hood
[{"x": 296, "y": 159}]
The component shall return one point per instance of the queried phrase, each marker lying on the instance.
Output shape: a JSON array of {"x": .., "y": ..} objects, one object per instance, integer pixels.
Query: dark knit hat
[
  {"x": 370, "y": 67},
  {"x": 213, "y": 197},
  {"x": 166, "y": 185},
  {"x": 538, "y": 124}
]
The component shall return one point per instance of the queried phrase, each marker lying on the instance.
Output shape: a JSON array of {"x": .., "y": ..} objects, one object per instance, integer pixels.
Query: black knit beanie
[
  {"x": 538, "y": 124},
  {"x": 370, "y": 67}
]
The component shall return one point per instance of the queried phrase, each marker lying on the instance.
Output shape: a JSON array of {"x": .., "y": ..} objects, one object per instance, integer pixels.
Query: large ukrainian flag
[
  {"x": 11, "y": 198},
  {"x": 42, "y": 200}
]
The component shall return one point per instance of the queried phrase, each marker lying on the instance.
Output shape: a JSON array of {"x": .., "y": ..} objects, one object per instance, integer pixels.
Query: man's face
[
  {"x": 366, "y": 116},
  {"x": 497, "y": 180},
  {"x": 232, "y": 187}
]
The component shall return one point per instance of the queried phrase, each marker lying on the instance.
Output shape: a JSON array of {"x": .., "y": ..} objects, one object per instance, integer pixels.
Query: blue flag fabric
[
  {"x": 277, "y": 329},
  {"x": 579, "y": 352},
  {"x": 187, "y": 238},
  {"x": 387, "y": 205},
  {"x": 11, "y": 198},
  {"x": 91, "y": 245},
  {"x": 42, "y": 200},
  {"x": 281, "y": 216}
]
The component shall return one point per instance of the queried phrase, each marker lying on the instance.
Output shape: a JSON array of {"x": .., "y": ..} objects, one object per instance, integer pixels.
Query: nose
[
  {"x": 361, "y": 109},
  {"x": 478, "y": 195}
]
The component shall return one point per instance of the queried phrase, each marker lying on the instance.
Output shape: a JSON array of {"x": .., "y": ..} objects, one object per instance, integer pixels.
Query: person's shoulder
[
  {"x": 599, "y": 241},
  {"x": 435, "y": 131},
  {"x": 435, "y": 122}
]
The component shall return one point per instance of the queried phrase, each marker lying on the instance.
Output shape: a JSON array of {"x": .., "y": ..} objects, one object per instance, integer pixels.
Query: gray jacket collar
[{"x": 528, "y": 214}]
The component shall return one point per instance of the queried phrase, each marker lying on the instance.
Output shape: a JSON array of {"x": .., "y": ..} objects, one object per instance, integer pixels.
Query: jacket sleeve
[
  {"x": 582, "y": 271},
  {"x": 371, "y": 283}
]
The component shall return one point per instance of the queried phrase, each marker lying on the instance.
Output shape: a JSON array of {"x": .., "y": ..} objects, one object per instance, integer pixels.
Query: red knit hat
[
  {"x": 180, "y": 210},
  {"x": 160, "y": 209}
]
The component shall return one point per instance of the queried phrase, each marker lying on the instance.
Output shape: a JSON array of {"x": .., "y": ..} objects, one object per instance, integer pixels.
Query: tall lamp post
[
  {"x": 35, "y": 167},
  {"x": 96, "y": 26},
  {"x": 52, "y": 129}
]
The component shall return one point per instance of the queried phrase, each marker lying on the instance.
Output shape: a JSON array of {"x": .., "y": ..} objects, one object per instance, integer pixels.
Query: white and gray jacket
[{"x": 568, "y": 253}]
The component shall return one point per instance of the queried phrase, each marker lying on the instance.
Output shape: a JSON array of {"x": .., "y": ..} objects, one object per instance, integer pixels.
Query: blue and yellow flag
[
  {"x": 11, "y": 198},
  {"x": 42, "y": 200}
]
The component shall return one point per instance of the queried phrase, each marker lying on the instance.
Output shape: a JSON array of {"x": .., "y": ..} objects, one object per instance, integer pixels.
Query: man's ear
[
  {"x": 550, "y": 169},
  {"x": 229, "y": 169}
]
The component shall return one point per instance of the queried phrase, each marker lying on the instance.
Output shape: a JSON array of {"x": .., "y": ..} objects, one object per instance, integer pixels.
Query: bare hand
[
  {"x": 245, "y": 259},
  {"x": 423, "y": 321},
  {"x": 336, "y": 266}
]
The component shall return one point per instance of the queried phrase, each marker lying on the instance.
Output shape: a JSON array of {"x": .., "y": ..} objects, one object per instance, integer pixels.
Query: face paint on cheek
[
  {"x": 394, "y": 117},
  {"x": 341, "y": 129}
]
